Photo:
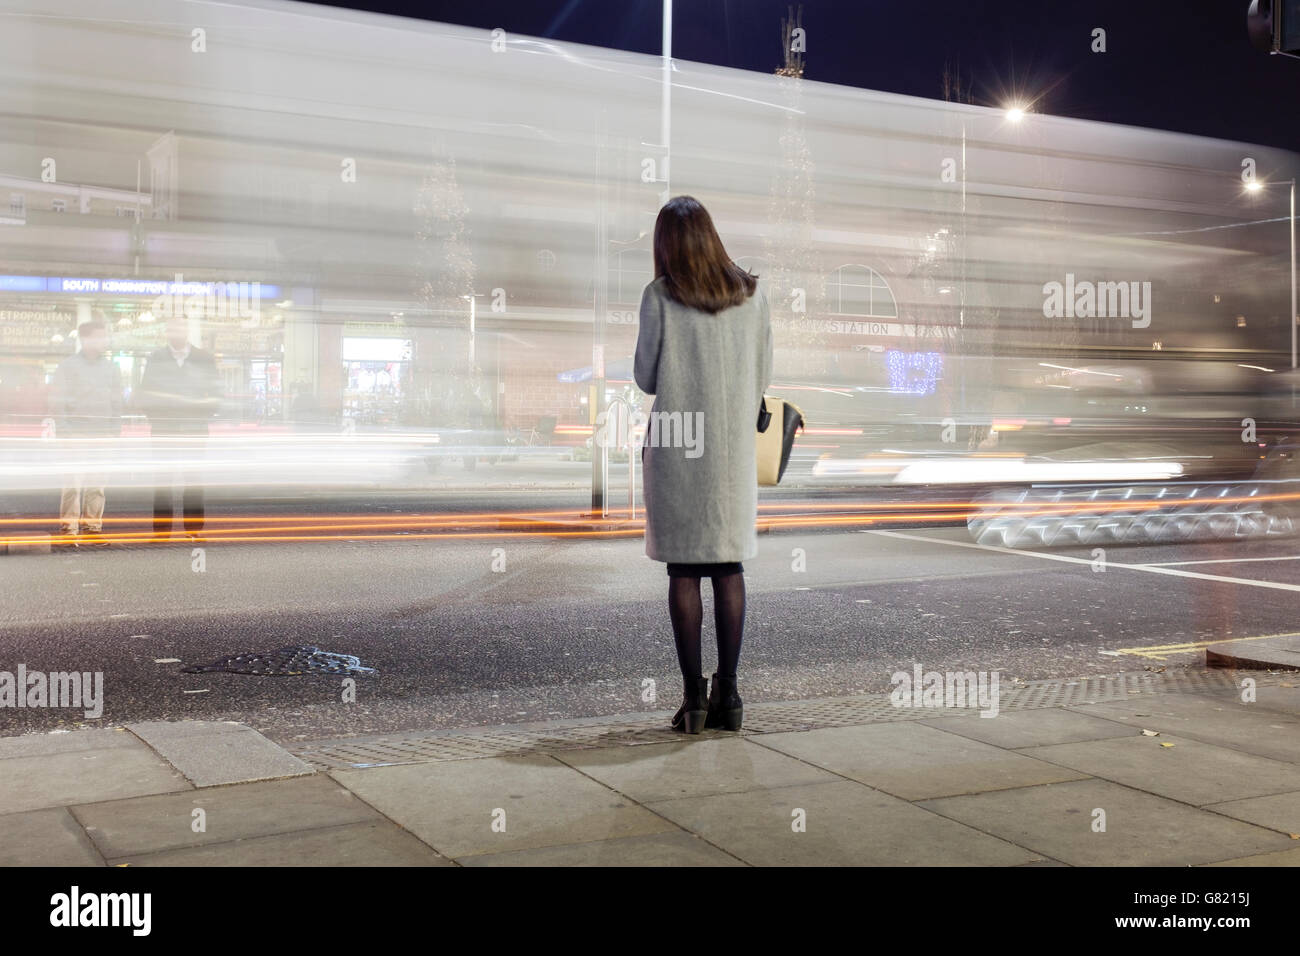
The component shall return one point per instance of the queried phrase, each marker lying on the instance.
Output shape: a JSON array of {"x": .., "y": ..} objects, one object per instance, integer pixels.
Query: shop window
[
  {"x": 861, "y": 290},
  {"x": 630, "y": 271}
]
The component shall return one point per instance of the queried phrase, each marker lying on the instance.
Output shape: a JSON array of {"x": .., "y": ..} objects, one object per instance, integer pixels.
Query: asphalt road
[{"x": 575, "y": 627}]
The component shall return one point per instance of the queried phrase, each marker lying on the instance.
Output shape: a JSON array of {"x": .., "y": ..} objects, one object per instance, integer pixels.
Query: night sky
[{"x": 1170, "y": 64}]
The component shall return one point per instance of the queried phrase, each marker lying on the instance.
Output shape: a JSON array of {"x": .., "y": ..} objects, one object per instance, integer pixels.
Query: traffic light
[{"x": 1274, "y": 26}]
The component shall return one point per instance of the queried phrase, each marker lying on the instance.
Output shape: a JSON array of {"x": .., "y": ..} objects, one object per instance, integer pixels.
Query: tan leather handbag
[{"x": 775, "y": 439}]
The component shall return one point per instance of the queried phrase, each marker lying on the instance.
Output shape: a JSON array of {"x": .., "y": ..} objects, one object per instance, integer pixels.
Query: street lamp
[
  {"x": 1255, "y": 186},
  {"x": 472, "y": 297},
  {"x": 600, "y": 299},
  {"x": 666, "y": 105}
]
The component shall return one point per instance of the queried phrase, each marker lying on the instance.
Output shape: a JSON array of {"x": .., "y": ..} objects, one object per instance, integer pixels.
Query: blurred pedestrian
[
  {"x": 180, "y": 392},
  {"x": 704, "y": 349},
  {"x": 86, "y": 404}
]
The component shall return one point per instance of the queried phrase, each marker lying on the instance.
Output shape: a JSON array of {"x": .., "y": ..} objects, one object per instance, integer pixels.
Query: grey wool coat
[{"x": 707, "y": 373}]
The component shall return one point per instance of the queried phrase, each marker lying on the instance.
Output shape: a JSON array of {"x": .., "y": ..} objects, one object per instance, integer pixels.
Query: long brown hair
[{"x": 690, "y": 257}]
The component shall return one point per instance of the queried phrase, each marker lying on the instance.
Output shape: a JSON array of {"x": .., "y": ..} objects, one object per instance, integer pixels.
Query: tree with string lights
[
  {"x": 798, "y": 286},
  {"x": 445, "y": 279}
]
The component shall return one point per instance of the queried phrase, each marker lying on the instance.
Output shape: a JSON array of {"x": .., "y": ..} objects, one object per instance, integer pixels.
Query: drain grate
[
  {"x": 285, "y": 662},
  {"x": 760, "y": 718}
]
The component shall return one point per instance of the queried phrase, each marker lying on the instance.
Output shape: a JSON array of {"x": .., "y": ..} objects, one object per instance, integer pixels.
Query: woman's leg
[
  {"x": 687, "y": 613},
  {"x": 729, "y": 616}
]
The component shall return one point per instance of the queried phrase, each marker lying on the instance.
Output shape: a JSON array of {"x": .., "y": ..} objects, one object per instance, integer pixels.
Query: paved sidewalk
[{"x": 1178, "y": 768}]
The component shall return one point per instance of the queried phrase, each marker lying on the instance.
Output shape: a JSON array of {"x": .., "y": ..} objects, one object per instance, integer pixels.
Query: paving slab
[
  {"x": 1032, "y": 728},
  {"x": 152, "y": 824},
  {"x": 656, "y": 849},
  {"x": 1271, "y": 653},
  {"x": 1279, "y": 858},
  {"x": 1281, "y": 811},
  {"x": 1188, "y": 770},
  {"x": 1215, "y": 720},
  {"x": 452, "y": 805},
  {"x": 211, "y": 754},
  {"x": 85, "y": 776},
  {"x": 1283, "y": 697},
  {"x": 49, "y": 837},
  {"x": 1056, "y": 821},
  {"x": 913, "y": 761},
  {"x": 692, "y": 769},
  {"x": 61, "y": 742},
  {"x": 377, "y": 843},
  {"x": 848, "y": 824}
]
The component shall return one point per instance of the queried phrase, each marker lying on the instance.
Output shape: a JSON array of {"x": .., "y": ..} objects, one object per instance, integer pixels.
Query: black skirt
[{"x": 704, "y": 570}]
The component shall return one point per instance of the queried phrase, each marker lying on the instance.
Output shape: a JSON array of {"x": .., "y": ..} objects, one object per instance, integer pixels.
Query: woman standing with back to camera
[{"x": 704, "y": 350}]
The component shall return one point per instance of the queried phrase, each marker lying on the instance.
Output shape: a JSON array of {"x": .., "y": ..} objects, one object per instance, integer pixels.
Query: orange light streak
[{"x": 570, "y": 523}]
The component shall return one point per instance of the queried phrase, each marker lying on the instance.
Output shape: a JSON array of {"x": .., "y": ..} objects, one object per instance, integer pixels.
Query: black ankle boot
[
  {"x": 691, "y": 715},
  {"x": 726, "y": 709}
]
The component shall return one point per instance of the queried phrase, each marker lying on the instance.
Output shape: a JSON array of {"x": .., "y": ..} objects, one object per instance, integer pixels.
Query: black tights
[{"x": 687, "y": 613}]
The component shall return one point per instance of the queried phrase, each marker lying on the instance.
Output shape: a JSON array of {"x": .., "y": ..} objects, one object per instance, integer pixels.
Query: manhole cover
[{"x": 285, "y": 662}]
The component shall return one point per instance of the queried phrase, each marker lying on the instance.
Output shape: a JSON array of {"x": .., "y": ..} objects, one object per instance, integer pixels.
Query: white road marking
[
  {"x": 1171, "y": 564},
  {"x": 1149, "y": 568}
]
